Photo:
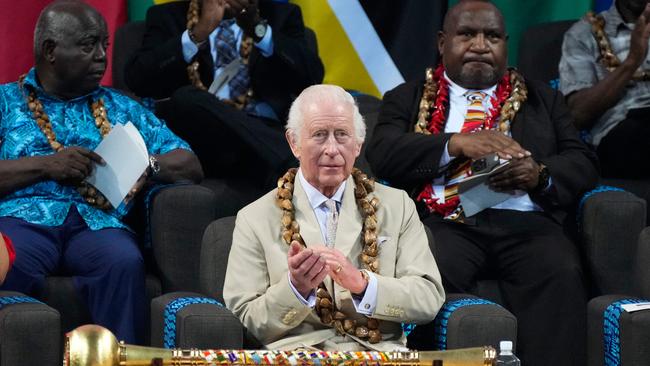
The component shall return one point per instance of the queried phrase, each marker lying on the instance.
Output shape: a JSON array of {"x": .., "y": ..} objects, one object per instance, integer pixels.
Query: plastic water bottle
[{"x": 506, "y": 357}]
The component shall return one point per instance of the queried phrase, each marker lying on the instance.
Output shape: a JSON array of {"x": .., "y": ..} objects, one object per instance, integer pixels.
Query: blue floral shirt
[{"x": 47, "y": 202}]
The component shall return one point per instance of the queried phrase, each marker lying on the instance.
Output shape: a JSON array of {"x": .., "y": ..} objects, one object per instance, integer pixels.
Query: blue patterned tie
[{"x": 226, "y": 45}]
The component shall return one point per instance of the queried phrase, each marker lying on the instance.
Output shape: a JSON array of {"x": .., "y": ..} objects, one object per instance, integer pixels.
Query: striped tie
[
  {"x": 475, "y": 116},
  {"x": 226, "y": 45},
  {"x": 474, "y": 119}
]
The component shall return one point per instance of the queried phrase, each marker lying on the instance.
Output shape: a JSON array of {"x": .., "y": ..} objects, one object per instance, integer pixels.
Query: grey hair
[
  {"x": 53, "y": 22},
  {"x": 324, "y": 93}
]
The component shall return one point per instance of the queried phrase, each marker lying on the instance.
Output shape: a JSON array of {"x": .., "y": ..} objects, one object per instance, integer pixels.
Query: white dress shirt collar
[
  {"x": 457, "y": 91},
  {"x": 315, "y": 197}
]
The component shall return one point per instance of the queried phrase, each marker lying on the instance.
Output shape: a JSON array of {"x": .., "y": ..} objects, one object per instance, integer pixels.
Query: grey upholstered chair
[
  {"x": 620, "y": 274},
  {"x": 209, "y": 325},
  {"x": 30, "y": 331},
  {"x": 616, "y": 257}
]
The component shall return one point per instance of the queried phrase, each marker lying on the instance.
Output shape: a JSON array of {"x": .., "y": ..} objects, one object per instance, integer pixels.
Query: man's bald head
[
  {"x": 61, "y": 19},
  {"x": 70, "y": 44}
]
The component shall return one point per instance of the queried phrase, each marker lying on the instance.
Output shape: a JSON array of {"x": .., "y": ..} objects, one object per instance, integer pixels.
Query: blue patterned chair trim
[
  {"x": 11, "y": 300},
  {"x": 586, "y": 196},
  {"x": 408, "y": 328},
  {"x": 174, "y": 307},
  {"x": 442, "y": 319},
  {"x": 611, "y": 331}
]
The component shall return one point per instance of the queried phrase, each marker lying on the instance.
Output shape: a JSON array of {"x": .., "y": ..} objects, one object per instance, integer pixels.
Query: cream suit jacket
[{"x": 257, "y": 288}]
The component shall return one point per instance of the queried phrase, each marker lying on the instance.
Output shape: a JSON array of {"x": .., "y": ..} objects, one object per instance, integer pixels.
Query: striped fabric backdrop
[
  {"x": 373, "y": 45},
  {"x": 366, "y": 45}
]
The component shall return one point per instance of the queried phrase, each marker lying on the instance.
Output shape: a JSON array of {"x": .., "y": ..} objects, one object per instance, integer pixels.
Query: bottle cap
[{"x": 505, "y": 346}]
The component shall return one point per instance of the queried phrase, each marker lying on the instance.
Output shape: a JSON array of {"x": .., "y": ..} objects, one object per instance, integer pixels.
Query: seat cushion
[{"x": 60, "y": 294}]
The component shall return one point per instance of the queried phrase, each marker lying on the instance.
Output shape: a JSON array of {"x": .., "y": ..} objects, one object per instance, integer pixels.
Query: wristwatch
[
  {"x": 154, "y": 166},
  {"x": 543, "y": 178},
  {"x": 260, "y": 30}
]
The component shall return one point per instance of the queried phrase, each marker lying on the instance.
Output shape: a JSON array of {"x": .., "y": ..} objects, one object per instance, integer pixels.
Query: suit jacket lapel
[
  {"x": 305, "y": 216},
  {"x": 517, "y": 126},
  {"x": 348, "y": 229}
]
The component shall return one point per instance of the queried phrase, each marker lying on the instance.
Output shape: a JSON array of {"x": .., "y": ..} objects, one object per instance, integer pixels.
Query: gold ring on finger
[{"x": 338, "y": 268}]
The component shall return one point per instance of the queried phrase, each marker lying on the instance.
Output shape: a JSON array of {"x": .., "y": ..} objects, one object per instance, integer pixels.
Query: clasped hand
[
  {"x": 308, "y": 267},
  {"x": 521, "y": 174},
  {"x": 212, "y": 13}
]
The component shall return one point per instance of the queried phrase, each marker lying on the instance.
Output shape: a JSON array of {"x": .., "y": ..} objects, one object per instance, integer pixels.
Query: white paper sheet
[
  {"x": 229, "y": 71},
  {"x": 126, "y": 157},
  {"x": 630, "y": 308},
  {"x": 475, "y": 194}
]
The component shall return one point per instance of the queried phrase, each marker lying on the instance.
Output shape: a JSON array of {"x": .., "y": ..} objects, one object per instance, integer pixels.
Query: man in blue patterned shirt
[{"x": 50, "y": 121}]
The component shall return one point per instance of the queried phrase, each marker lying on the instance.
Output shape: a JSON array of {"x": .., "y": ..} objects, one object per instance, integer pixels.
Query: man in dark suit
[
  {"x": 259, "y": 56},
  {"x": 428, "y": 134}
]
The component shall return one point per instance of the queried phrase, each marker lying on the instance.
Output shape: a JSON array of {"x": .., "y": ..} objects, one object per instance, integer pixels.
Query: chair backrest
[
  {"x": 540, "y": 49},
  {"x": 128, "y": 38},
  {"x": 215, "y": 248}
]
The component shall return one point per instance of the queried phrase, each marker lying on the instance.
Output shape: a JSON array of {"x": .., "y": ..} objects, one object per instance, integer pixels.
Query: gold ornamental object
[{"x": 92, "y": 345}]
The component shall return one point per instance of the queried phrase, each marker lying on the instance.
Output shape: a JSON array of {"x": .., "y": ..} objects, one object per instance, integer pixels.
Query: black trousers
[
  {"x": 229, "y": 143},
  {"x": 625, "y": 151},
  {"x": 539, "y": 273}
]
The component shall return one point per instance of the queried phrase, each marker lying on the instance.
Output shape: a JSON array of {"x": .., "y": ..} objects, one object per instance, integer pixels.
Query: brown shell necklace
[
  {"x": 325, "y": 307},
  {"x": 88, "y": 192},
  {"x": 607, "y": 56}
]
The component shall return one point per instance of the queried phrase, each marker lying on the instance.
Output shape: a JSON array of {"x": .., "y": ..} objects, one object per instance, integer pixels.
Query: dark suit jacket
[
  {"x": 157, "y": 69},
  {"x": 543, "y": 126}
]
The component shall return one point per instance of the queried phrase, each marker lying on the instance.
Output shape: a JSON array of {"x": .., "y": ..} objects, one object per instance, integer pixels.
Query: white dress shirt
[{"x": 520, "y": 200}]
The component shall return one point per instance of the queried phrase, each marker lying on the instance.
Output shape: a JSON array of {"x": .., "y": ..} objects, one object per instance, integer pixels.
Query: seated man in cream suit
[{"x": 330, "y": 259}]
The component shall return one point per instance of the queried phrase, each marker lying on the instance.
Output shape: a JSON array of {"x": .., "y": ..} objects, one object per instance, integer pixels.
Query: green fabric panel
[
  {"x": 521, "y": 14},
  {"x": 138, "y": 9}
]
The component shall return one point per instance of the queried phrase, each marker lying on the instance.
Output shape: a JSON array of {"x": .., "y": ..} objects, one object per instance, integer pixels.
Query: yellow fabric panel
[
  {"x": 162, "y": 1},
  {"x": 342, "y": 63}
]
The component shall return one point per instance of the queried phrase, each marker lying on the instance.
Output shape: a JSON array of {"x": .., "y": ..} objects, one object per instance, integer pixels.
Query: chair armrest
[
  {"x": 191, "y": 320},
  {"x": 626, "y": 334},
  {"x": 178, "y": 216},
  {"x": 30, "y": 331},
  {"x": 611, "y": 222},
  {"x": 465, "y": 321}
]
